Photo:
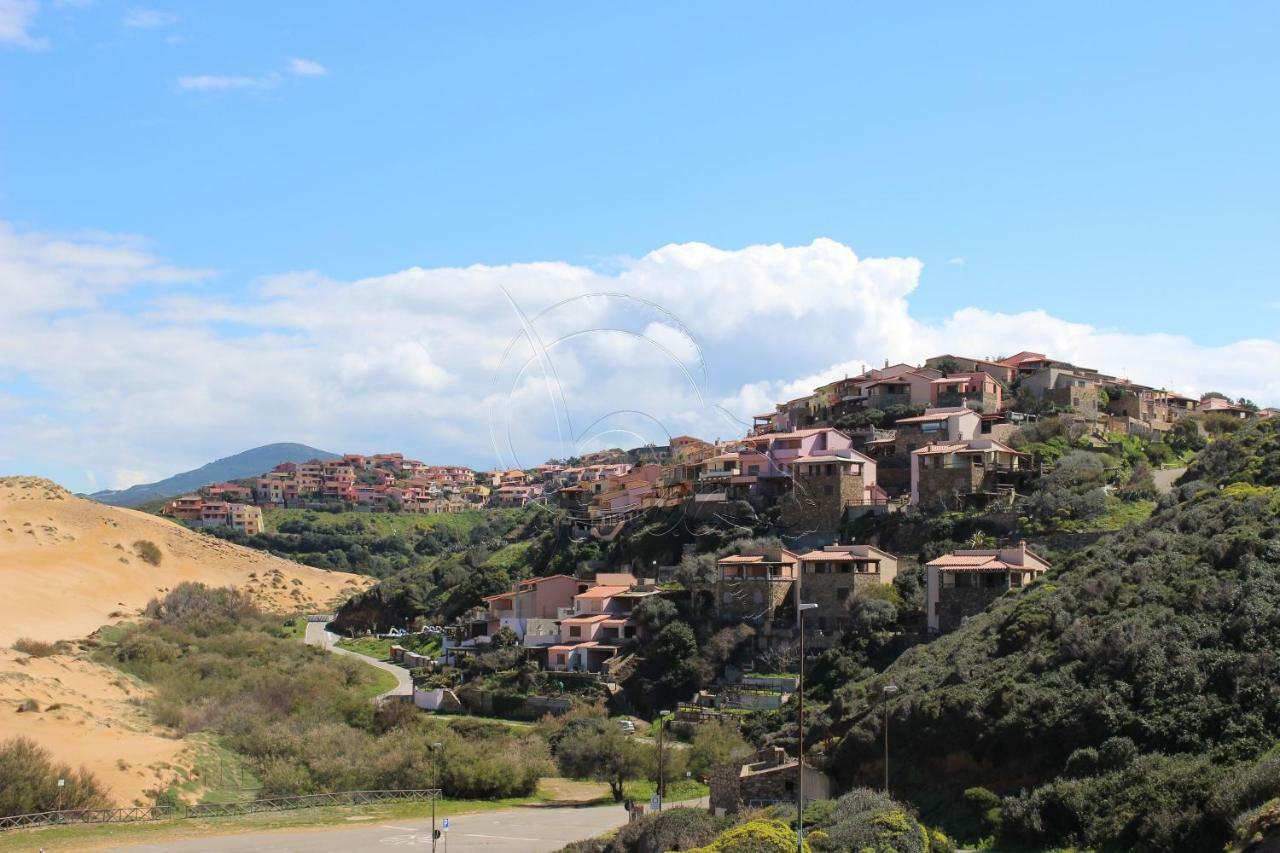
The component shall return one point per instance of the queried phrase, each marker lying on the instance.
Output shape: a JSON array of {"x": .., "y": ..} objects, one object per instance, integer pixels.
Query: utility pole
[
  {"x": 435, "y": 794},
  {"x": 889, "y": 690},
  {"x": 801, "y": 609},
  {"x": 662, "y": 754}
]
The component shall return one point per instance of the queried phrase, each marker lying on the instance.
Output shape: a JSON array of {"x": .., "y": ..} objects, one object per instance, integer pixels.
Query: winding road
[
  {"x": 317, "y": 635},
  {"x": 524, "y": 830}
]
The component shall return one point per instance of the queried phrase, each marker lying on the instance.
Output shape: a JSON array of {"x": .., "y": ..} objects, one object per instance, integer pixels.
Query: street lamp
[
  {"x": 801, "y": 609},
  {"x": 435, "y": 783},
  {"x": 889, "y": 690},
  {"x": 662, "y": 754}
]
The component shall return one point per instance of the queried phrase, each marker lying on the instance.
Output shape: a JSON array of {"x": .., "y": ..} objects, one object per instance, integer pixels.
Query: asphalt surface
[
  {"x": 527, "y": 830},
  {"x": 317, "y": 636}
]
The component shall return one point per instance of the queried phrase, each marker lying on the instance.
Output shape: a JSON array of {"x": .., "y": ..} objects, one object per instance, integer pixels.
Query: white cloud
[
  {"x": 17, "y": 17},
  {"x": 956, "y": 261},
  {"x": 225, "y": 82},
  {"x": 246, "y": 83},
  {"x": 306, "y": 68},
  {"x": 436, "y": 362},
  {"x": 149, "y": 19}
]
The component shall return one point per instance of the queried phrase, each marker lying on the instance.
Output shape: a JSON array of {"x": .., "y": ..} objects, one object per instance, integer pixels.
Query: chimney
[{"x": 778, "y": 757}]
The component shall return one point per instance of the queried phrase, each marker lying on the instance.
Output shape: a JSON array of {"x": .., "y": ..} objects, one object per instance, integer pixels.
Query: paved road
[
  {"x": 1164, "y": 478},
  {"x": 317, "y": 636},
  {"x": 530, "y": 830}
]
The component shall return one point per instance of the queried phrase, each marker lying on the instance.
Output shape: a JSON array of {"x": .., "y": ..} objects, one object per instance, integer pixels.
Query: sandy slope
[
  {"x": 69, "y": 566},
  {"x": 85, "y": 718}
]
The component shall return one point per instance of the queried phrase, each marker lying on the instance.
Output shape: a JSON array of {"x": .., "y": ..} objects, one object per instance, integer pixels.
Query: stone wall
[
  {"x": 941, "y": 485},
  {"x": 832, "y": 615},
  {"x": 957, "y": 603},
  {"x": 817, "y": 501},
  {"x": 1084, "y": 400}
]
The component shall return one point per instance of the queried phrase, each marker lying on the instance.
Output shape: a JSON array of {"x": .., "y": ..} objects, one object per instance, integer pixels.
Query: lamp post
[
  {"x": 801, "y": 609},
  {"x": 889, "y": 690},
  {"x": 435, "y": 783},
  {"x": 662, "y": 754}
]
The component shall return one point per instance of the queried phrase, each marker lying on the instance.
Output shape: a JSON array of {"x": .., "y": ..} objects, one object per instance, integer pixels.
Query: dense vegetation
[
  {"x": 1129, "y": 700},
  {"x": 861, "y": 820},
  {"x": 302, "y": 719}
]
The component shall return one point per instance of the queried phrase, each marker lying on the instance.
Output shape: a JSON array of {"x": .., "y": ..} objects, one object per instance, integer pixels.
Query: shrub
[
  {"x": 148, "y": 551},
  {"x": 866, "y": 819},
  {"x": 29, "y": 781},
  {"x": 670, "y": 829},
  {"x": 756, "y": 836},
  {"x": 35, "y": 648},
  {"x": 715, "y": 743}
]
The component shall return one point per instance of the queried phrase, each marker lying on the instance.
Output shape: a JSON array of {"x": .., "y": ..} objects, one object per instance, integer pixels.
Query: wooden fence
[{"x": 205, "y": 810}]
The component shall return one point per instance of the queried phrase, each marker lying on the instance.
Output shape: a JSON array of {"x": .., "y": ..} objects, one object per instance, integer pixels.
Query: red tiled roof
[
  {"x": 836, "y": 556},
  {"x": 603, "y": 591},
  {"x": 587, "y": 620}
]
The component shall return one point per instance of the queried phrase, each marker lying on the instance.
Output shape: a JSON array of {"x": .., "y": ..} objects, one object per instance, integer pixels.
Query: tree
[
  {"x": 672, "y": 663},
  {"x": 655, "y": 613},
  {"x": 599, "y": 750},
  {"x": 947, "y": 365},
  {"x": 29, "y": 781},
  {"x": 715, "y": 743}
]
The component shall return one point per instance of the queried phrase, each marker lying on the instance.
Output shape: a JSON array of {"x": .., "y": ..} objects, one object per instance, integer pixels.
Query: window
[
  {"x": 831, "y": 469},
  {"x": 948, "y": 579},
  {"x": 1015, "y": 579},
  {"x": 752, "y": 470},
  {"x": 575, "y": 631},
  {"x": 842, "y": 593}
]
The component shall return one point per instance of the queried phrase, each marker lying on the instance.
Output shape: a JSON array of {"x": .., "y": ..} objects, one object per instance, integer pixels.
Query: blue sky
[{"x": 1108, "y": 164}]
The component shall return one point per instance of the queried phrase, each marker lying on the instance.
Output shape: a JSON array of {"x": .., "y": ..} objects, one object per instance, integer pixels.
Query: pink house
[
  {"x": 782, "y": 451},
  {"x": 979, "y": 391},
  {"x": 600, "y": 623}
]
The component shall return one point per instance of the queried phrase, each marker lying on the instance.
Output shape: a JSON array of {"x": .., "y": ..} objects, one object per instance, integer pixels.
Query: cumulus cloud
[
  {"x": 17, "y": 17},
  {"x": 127, "y": 363}
]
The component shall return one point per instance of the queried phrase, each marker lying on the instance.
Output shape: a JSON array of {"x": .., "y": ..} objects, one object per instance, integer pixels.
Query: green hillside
[{"x": 1128, "y": 701}]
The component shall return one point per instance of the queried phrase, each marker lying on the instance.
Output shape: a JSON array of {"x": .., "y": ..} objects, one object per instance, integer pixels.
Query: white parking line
[{"x": 500, "y": 837}]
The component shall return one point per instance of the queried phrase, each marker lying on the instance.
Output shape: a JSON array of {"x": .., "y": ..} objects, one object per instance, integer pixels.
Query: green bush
[
  {"x": 29, "y": 781},
  {"x": 669, "y": 829},
  {"x": 148, "y": 551}
]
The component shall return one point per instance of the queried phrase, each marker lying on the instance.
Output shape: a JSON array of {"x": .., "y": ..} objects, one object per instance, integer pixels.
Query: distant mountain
[{"x": 250, "y": 463}]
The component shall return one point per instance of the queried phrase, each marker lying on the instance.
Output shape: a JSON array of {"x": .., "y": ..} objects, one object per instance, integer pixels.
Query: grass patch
[
  {"x": 117, "y": 835},
  {"x": 1119, "y": 515},
  {"x": 677, "y": 789},
  {"x": 367, "y": 646}
]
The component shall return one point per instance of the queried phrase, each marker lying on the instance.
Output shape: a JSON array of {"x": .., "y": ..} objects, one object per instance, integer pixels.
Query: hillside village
[{"x": 945, "y": 436}]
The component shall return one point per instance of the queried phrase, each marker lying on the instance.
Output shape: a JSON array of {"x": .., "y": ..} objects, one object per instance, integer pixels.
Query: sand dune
[
  {"x": 84, "y": 716},
  {"x": 69, "y": 566}
]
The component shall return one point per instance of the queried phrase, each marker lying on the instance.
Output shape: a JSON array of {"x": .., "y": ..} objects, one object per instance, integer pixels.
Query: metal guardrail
[
  {"x": 73, "y": 816},
  {"x": 246, "y": 807}
]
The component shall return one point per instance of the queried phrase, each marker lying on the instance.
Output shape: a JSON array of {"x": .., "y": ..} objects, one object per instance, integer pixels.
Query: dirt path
[{"x": 317, "y": 635}]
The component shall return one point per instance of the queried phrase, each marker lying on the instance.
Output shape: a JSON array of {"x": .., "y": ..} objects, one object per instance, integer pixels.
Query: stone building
[
  {"x": 831, "y": 577},
  {"x": 770, "y": 778},
  {"x": 956, "y": 474},
  {"x": 753, "y": 586},
  {"x": 825, "y": 489},
  {"x": 964, "y": 583}
]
